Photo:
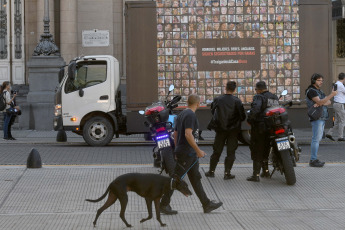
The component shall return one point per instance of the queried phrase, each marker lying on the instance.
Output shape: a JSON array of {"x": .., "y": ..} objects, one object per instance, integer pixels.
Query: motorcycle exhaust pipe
[{"x": 292, "y": 139}]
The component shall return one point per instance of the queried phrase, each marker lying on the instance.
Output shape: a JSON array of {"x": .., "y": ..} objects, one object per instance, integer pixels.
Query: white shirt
[
  {"x": 340, "y": 97},
  {"x": 7, "y": 98}
]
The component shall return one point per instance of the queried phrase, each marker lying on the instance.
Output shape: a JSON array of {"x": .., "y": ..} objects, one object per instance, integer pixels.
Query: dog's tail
[{"x": 101, "y": 198}]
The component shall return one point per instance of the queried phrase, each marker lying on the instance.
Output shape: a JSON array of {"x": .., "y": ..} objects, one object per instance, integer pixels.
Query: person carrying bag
[{"x": 8, "y": 111}]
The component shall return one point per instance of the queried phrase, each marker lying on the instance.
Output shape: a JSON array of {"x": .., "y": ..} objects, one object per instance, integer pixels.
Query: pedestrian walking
[
  {"x": 260, "y": 138},
  {"x": 316, "y": 97},
  {"x": 187, "y": 155},
  {"x": 227, "y": 114},
  {"x": 339, "y": 110}
]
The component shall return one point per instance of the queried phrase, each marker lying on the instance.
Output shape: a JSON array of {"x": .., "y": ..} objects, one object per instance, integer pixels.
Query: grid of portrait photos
[{"x": 180, "y": 23}]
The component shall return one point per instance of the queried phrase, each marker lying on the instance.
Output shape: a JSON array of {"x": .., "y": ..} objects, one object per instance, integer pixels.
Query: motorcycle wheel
[
  {"x": 289, "y": 171},
  {"x": 168, "y": 161}
]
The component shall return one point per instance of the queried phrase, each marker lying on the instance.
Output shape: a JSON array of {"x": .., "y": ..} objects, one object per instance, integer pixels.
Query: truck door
[{"x": 89, "y": 91}]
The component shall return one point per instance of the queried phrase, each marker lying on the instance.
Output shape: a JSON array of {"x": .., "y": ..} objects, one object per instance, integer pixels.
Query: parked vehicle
[
  {"x": 284, "y": 152},
  {"x": 161, "y": 121}
]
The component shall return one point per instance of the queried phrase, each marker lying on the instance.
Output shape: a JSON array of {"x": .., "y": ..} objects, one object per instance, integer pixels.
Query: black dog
[{"x": 150, "y": 186}]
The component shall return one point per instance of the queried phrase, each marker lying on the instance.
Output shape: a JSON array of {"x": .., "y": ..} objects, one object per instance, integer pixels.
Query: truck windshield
[{"x": 87, "y": 74}]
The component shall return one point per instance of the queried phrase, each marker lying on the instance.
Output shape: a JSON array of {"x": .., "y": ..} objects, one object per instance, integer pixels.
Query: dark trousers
[
  {"x": 7, "y": 125},
  {"x": 183, "y": 164},
  {"x": 259, "y": 143},
  {"x": 230, "y": 139}
]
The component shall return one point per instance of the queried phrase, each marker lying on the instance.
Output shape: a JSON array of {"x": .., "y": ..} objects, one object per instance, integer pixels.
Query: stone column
[
  {"x": 68, "y": 29},
  {"x": 43, "y": 71}
]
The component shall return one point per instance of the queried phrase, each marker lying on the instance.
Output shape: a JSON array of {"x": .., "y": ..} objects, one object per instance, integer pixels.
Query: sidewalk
[
  {"x": 303, "y": 136},
  {"x": 53, "y": 198}
]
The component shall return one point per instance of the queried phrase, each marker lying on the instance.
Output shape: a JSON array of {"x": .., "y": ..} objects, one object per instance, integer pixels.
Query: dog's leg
[
  {"x": 124, "y": 200},
  {"x": 111, "y": 200},
  {"x": 149, "y": 209},
  {"x": 158, "y": 213}
]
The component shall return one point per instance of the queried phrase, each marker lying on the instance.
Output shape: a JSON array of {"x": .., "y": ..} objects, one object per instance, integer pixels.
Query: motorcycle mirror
[
  {"x": 284, "y": 92},
  {"x": 141, "y": 112},
  {"x": 171, "y": 87}
]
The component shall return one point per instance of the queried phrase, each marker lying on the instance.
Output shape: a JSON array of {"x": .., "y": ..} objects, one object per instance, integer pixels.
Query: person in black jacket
[
  {"x": 228, "y": 113},
  {"x": 260, "y": 142}
]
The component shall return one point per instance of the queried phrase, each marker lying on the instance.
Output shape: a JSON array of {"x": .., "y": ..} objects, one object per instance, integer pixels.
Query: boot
[
  {"x": 228, "y": 166},
  {"x": 256, "y": 172},
  {"x": 265, "y": 171},
  {"x": 213, "y": 165}
]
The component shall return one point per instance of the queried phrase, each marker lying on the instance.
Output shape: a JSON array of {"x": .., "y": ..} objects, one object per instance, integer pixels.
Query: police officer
[
  {"x": 228, "y": 113},
  {"x": 260, "y": 142},
  {"x": 187, "y": 154}
]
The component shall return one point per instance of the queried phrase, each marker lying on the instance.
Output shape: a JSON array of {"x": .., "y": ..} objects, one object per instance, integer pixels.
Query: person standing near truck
[
  {"x": 315, "y": 97},
  {"x": 339, "y": 110},
  {"x": 228, "y": 113},
  {"x": 187, "y": 155}
]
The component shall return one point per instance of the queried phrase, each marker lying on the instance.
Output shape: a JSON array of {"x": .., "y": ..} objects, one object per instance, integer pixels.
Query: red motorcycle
[{"x": 284, "y": 152}]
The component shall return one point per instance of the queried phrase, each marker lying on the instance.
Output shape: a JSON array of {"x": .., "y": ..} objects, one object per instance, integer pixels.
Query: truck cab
[{"x": 86, "y": 99}]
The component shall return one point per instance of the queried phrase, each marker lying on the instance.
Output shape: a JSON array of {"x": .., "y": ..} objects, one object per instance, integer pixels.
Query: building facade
[
  {"x": 72, "y": 23},
  {"x": 22, "y": 24}
]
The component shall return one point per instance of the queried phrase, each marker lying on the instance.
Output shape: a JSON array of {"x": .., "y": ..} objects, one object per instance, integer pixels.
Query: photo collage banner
[{"x": 203, "y": 44}]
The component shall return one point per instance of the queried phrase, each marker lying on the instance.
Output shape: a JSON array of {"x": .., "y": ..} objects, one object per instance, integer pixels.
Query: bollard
[
  {"x": 34, "y": 160},
  {"x": 61, "y": 136}
]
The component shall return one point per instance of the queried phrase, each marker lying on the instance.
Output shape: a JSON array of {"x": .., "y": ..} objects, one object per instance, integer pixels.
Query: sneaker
[
  {"x": 209, "y": 174},
  {"x": 341, "y": 139},
  {"x": 265, "y": 174},
  {"x": 316, "y": 163},
  {"x": 228, "y": 176},
  {"x": 5, "y": 139},
  {"x": 253, "y": 178},
  {"x": 12, "y": 138},
  {"x": 167, "y": 210},
  {"x": 212, "y": 205},
  {"x": 330, "y": 137}
]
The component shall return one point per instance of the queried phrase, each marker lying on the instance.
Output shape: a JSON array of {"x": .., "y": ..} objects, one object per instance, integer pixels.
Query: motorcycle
[
  {"x": 284, "y": 151},
  {"x": 161, "y": 121}
]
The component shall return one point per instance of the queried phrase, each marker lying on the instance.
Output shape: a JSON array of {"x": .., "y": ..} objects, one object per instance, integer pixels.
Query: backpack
[{"x": 2, "y": 101}]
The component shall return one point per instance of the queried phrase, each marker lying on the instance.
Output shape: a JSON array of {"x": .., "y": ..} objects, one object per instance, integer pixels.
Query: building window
[
  {"x": 3, "y": 29},
  {"x": 341, "y": 38},
  {"x": 18, "y": 29}
]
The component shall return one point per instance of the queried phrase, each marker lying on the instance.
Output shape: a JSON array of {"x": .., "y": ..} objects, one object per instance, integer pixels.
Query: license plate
[
  {"x": 163, "y": 143},
  {"x": 282, "y": 145}
]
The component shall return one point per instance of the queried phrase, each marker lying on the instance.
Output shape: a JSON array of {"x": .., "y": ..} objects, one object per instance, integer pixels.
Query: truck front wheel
[{"x": 98, "y": 131}]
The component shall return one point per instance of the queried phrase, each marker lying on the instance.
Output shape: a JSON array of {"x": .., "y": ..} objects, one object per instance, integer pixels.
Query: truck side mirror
[
  {"x": 61, "y": 74},
  {"x": 71, "y": 70}
]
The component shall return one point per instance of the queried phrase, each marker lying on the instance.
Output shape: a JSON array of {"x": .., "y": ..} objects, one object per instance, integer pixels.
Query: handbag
[
  {"x": 11, "y": 111},
  {"x": 315, "y": 113}
]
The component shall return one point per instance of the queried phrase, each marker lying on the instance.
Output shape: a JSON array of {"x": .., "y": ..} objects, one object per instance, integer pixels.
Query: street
[
  {"x": 53, "y": 197},
  {"x": 82, "y": 154}
]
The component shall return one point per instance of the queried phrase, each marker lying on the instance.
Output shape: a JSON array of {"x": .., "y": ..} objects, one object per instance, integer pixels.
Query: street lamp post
[{"x": 46, "y": 46}]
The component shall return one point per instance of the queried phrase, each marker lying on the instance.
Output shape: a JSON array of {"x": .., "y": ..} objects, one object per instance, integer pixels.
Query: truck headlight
[{"x": 57, "y": 110}]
